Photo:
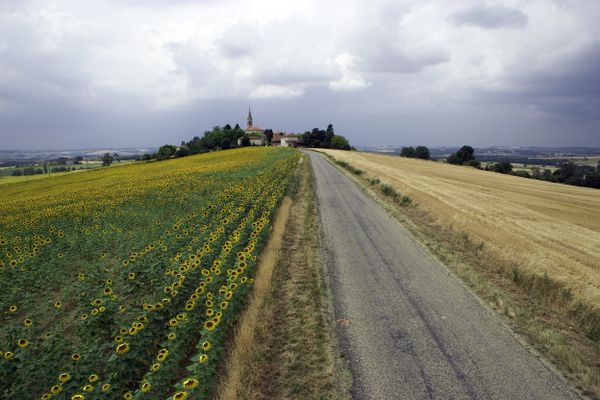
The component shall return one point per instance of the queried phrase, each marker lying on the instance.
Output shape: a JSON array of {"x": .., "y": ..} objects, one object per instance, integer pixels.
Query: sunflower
[
  {"x": 58, "y": 305},
  {"x": 206, "y": 346},
  {"x": 76, "y": 357},
  {"x": 64, "y": 377},
  {"x": 56, "y": 389},
  {"x": 122, "y": 308},
  {"x": 88, "y": 388},
  {"x": 128, "y": 396},
  {"x": 107, "y": 291},
  {"x": 22, "y": 343},
  {"x": 180, "y": 396},
  {"x": 13, "y": 309},
  {"x": 203, "y": 358},
  {"x": 8, "y": 355},
  {"x": 92, "y": 378},
  {"x": 190, "y": 384},
  {"x": 84, "y": 317},
  {"x": 155, "y": 367},
  {"x": 172, "y": 336},
  {"x": 78, "y": 397},
  {"x": 46, "y": 396},
  {"x": 122, "y": 348},
  {"x": 105, "y": 388},
  {"x": 131, "y": 275},
  {"x": 146, "y": 386}
]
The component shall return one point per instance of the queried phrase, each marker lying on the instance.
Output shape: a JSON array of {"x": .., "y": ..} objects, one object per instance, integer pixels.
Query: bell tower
[{"x": 249, "y": 120}]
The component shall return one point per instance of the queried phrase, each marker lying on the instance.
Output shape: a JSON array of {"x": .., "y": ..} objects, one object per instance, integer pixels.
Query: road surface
[{"x": 413, "y": 331}]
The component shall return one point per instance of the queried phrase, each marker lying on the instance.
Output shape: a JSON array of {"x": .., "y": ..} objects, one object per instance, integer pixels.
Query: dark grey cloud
[
  {"x": 490, "y": 17},
  {"x": 567, "y": 87}
]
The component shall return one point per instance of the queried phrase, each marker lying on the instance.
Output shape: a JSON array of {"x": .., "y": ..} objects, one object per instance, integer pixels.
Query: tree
[
  {"x": 245, "y": 141},
  {"x": 268, "y": 135},
  {"x": 227, "y": 127},
  {"x": 116, "y": 156},
  {"x": 166, "y": 151},
  {"x": 339, "y": 142},
  {"x": 17, "y": 172},
  {"x": 422, "y": 152},
  {"x": 237, "y": 127},
  {"x": 182, "y": 151},
  {"x": 462, "y": 156},
  {"x": 465, "y": 154},
  {"x": 503, "y": 167},
  {"x": 107, "y": 159},
  {"x": 407, "y": 152},
  {"x": 78, "y": 160}
]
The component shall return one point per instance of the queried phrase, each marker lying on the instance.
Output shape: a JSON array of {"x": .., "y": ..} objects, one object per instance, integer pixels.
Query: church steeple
[{"x": 249, "y": 119}]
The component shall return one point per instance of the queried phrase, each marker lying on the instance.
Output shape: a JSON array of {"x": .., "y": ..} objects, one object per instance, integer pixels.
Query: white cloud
[
  {"x": 275, "y": 91},
  {"x": 351, "y": 79}
]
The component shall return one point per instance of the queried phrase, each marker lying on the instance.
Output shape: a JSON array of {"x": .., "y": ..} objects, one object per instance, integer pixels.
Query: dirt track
[{"x": 410, "y": 329}]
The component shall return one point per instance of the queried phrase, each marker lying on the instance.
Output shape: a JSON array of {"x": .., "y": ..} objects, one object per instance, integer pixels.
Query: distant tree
[
  {"x": 45, "y": 167},
  {"x": 77, "y": 159},
  {"x": 422, "y": 152},
  {"x": 408, "y": 152},
  {"x": 245, "y": 141},
  {"x": 329, "y": 134},
  {"x": 465, "y": 153},
  {"x": 116, "y": 157},
  {"x": 462, "y": 156},
  {"x": 237, "y": 127},
  {"x": 62, "y": 160},
  {"x": 503, "y": 167},
  {"x": 166, "y": 151},
  {"x": 474, "y": 164},
  {"x": 17, "y": 172},
  {"x": 453, "y": 159},
  {"x": 339, "y": 142},
  {"x": 227, "y": 127},
  {"x": 182, "y": 151},
  {"x": 107, "y": 159},
  {"x": 268, "y": 135}
]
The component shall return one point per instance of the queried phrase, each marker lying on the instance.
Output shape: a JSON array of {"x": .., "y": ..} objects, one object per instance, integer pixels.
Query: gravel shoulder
[{"x": 410, "y": 329}]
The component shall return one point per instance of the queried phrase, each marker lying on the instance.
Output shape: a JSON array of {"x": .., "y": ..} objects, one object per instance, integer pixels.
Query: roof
[{"x": 254, "y": 129}]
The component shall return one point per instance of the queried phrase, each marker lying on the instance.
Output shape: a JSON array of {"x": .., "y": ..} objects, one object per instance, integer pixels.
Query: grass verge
[
  {"x": 539, "y": 309},
  {"x": 285, "y": 346}
]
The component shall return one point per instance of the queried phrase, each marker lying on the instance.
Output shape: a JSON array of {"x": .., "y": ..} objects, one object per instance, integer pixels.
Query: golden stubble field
[{"x": 542, "y": 227}]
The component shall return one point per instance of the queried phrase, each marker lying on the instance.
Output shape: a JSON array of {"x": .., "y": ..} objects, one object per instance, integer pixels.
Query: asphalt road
[{"x": 414, "y": 331}]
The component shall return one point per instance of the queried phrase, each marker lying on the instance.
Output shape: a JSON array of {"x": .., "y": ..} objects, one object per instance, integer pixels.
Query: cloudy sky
[{"x": 119, "y": 73}]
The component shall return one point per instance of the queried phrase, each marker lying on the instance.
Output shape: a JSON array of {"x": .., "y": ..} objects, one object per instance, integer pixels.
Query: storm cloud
[
  {"x": 138, "y": 73},
  {"x": 490, "y": 17}
]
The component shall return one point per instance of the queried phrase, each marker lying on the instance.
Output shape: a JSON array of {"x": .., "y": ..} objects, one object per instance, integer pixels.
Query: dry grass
[
  {"x": 285, "y": 344},
  {"x": 531, "y": 249},
  {"x": 242, "y": 346}
]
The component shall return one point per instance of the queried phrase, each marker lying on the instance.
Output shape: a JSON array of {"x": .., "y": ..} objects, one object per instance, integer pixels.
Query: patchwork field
[
  {"x": 542, "y": 228},
  {"x": 123, "y": 282}
]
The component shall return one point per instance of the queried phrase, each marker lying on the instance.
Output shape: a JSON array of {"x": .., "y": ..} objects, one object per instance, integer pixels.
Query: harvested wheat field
[{"x": 544, "y": 228}]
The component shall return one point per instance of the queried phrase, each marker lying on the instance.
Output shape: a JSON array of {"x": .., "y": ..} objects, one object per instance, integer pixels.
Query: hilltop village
[{"x": 257, "y": 136}]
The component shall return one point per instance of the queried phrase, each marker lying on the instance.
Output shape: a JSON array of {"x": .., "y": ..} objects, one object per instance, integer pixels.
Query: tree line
[{"x": 226, "y": 137}]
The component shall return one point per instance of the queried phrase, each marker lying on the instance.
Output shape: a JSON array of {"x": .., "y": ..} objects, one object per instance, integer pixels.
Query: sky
[{"x": 136, "y": 73}]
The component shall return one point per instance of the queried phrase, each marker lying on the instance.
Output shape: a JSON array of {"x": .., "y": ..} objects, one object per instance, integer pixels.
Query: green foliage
[
  {"x": 107, "y": 159},
  {"x": 421, "y": 152},
  {"x": 502, "y": 167},
  {"x": 166, "y": 151},
  {"x": 462, "y": 156},
  {"x": 326, "y": 139}
]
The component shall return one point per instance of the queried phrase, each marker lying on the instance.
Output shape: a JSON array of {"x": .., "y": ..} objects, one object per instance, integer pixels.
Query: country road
[{"x": 413, "y": 330}]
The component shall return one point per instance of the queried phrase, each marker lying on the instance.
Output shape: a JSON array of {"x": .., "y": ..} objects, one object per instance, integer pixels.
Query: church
[{"x": 257, "y": 135}]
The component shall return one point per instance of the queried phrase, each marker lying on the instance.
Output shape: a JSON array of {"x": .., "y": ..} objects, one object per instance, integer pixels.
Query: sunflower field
[{"x": 124, "y": 282}]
